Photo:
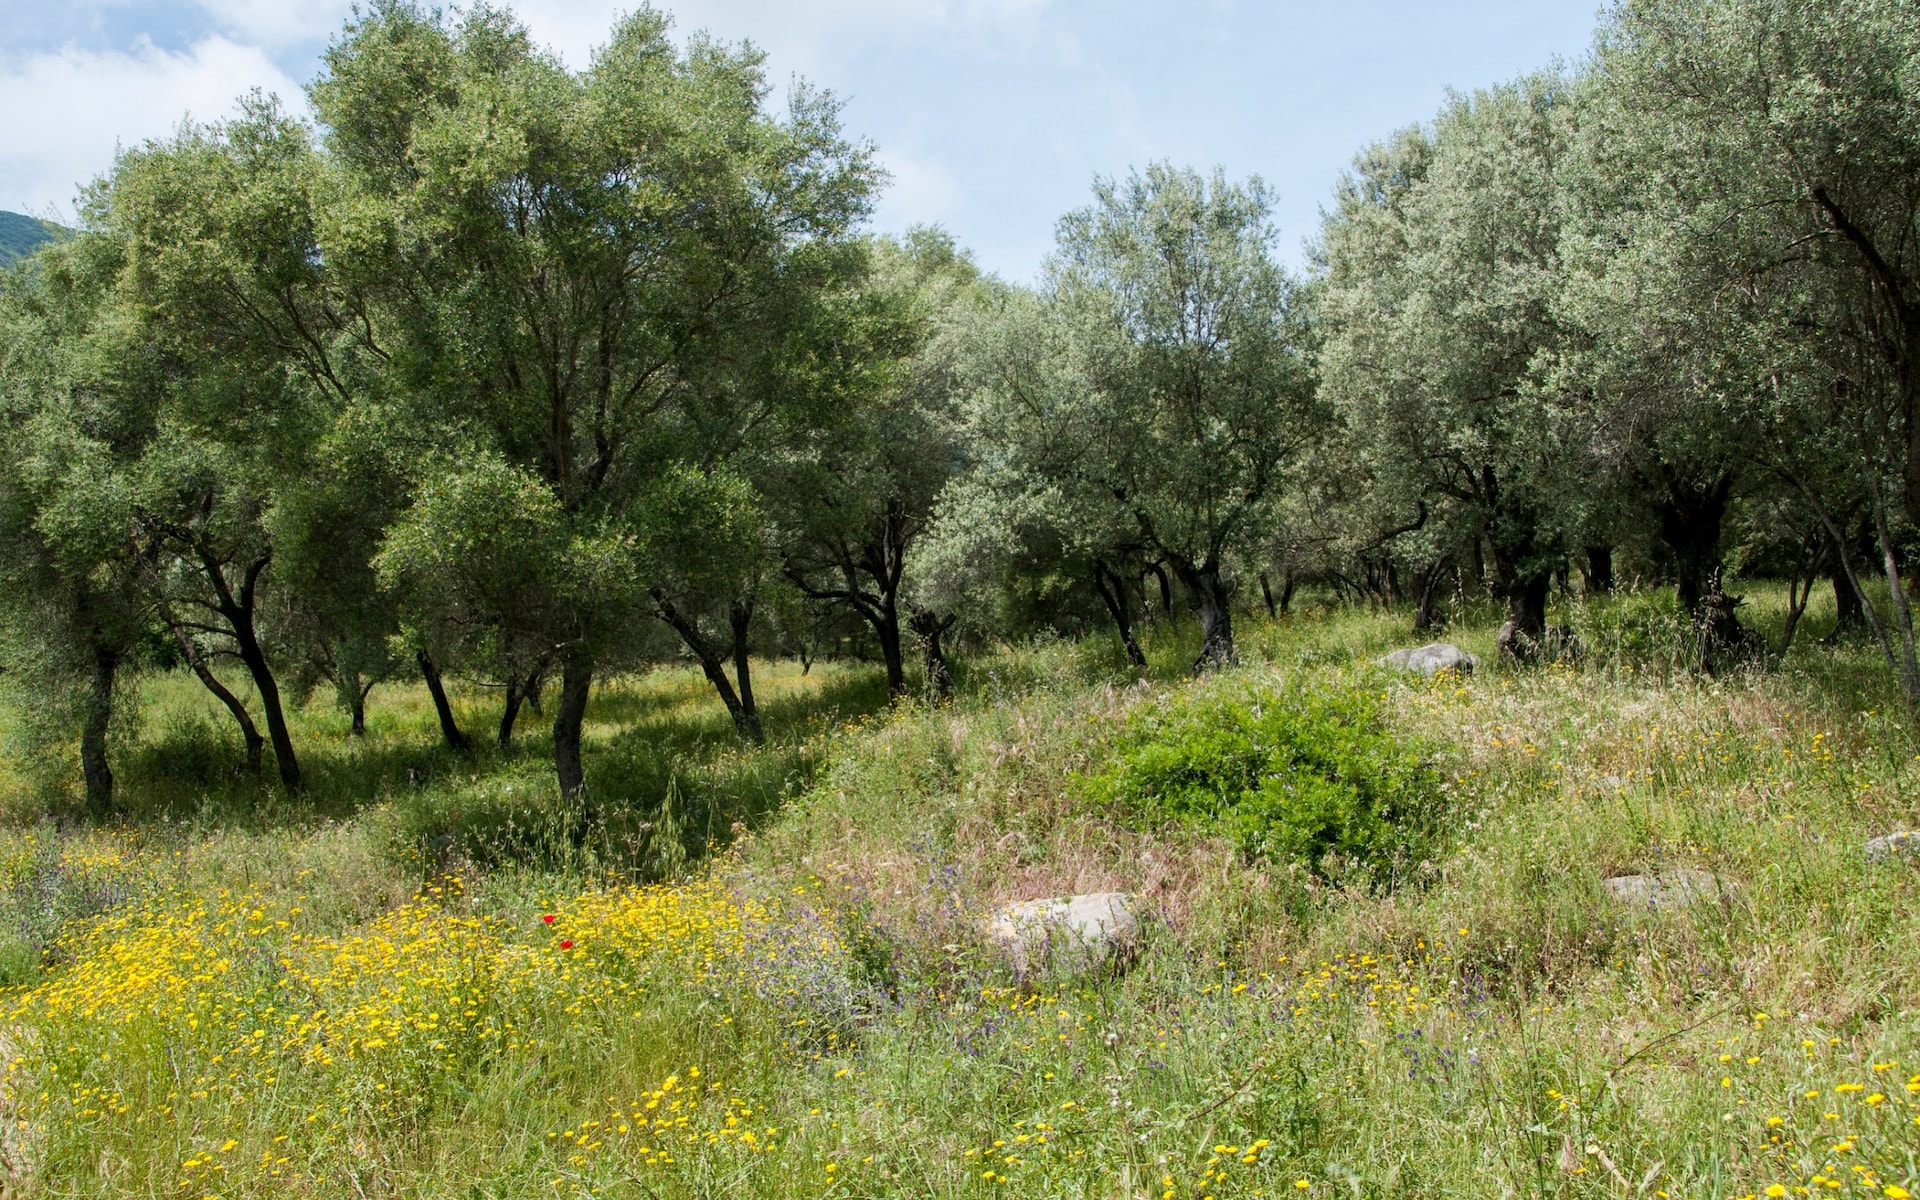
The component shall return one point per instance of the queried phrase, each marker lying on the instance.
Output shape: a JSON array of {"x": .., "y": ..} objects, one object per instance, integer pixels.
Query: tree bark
[
  {"x": 1166, "y": 589},
  {"x": 1113, "y": 593},
  {"x": 1266, "y": 594},
  {"x": 1426, "y": 614},
  {"x": 1211, "y": 596},
  {"x": 1849, "y": 617},
  {"x": 746, "y": 722},
  {"x": 930, "y": 627},
  {"x": 254, "y": 744},
  {"x": 576, "y": 684},
  {"x": 94, "y": 767},
  {"x": 1691, "y": 516},
  {"x": 510, "y": 711},
  {"x": 1525, "y": 632},
  {"x": 456, "y": 739},
  {"x": 263, "y": 682},
  {"x": 1599, "y": 570},
  {"x": 740, "y": 706}
]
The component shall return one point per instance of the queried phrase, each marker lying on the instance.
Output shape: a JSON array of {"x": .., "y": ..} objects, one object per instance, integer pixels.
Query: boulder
[
  {"x": 1430, "y": 660},
  {"x": 1668, "y": 889},
  {"x": 1066, "y": 935},
  {"x": 1905, "y": 844}
]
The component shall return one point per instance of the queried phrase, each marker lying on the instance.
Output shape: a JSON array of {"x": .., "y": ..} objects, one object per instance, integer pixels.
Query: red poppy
[
  {"x": 546, "y": 918},
  {"x": 566, "y": 943}
]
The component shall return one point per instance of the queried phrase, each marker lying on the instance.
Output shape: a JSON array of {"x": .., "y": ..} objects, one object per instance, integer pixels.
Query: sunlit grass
[{"x": 358, "y": 992}]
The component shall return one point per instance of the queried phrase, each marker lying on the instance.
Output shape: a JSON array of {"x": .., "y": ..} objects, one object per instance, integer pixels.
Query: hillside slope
[
  {"x": 430, "y": 977},
  {"x": 21, "y": 235}
]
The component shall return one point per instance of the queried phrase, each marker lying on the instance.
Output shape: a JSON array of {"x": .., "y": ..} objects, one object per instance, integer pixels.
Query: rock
[
  {"x": 1065, "y": 935},
  {"x": 1668, "y": 889},
  {"x": 1431, "y": 660},
  {"x": 1905, "y": 844}
]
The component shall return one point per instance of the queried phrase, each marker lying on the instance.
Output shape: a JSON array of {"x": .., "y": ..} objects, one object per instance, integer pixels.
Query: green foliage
[{"x": 1294, "y": 775}]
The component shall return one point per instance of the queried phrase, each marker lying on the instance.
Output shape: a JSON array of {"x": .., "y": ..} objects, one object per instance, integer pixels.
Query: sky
[{"x": 993, "y": 117}]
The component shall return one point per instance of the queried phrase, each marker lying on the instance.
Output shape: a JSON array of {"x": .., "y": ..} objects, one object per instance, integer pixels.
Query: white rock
[
  {"x": 1065, "y": 935},
  {"x": 1668, "y": 889},
  {"x": 1430, "y": 660},
  {"x": 1905, "y": 844}
]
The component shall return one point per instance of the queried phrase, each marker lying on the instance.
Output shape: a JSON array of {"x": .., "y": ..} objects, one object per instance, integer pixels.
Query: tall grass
[{"x": 1493, "y": 1022}]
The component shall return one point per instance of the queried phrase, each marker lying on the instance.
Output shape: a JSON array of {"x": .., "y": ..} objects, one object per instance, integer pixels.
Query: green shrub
[{"x": 1294, "y": 776}]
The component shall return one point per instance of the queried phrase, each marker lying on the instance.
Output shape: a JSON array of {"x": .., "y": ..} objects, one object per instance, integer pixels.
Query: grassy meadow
[{"x": 757, "y": 972}]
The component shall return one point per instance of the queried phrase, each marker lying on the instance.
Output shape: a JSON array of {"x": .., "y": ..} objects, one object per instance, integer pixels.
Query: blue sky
[{"x": 992, "y": 115}]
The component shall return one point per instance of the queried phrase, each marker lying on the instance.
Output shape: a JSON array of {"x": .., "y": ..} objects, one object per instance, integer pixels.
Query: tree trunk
[
  {"x": 357, "y": 706},
  {"x": 1599, "y": 570},
  {"x": 576, "y": 684},
  {"x": 1211, "y": 596},
  {"x": 1286, "y": 594},
  {"x": 457, "y": 740},
  {"x": 930, "y": 627},
  {"x": 886, "y": 628},
  {"x": 263, "y": 682},
  {"x": 1525, "y": 632},
  {"x": 1113, "y": 593},
  {"x": 1691, "y": 516},
  {"x": 746, "y": 720},
  {"x": 535, "y": 685},
  {"x": 249, "y": 734},
  {"x": 1266, "y": 594},
  {"x": 1426, "y": 614},
  {"x": 510, "y": 711},
  {"x": 1166, "y": 588},
  {"x": 94, "y": 768}
]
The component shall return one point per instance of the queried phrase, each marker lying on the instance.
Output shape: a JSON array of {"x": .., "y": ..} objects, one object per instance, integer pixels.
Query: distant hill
[{"x": 21, "y": 235}]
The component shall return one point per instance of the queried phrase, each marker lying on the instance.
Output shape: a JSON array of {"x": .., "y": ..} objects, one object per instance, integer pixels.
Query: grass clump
[{"x": 1295, "y": 775}]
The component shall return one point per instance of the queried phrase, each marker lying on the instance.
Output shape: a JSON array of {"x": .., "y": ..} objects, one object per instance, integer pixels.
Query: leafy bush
[{"x": 1294, "y": 776}]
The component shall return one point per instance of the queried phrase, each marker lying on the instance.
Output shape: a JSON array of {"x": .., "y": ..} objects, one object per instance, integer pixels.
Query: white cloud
[
  {"x": 923, "y": 191},
  {"x": 71, "y": 108},
  {"x": 276, "y": 23},
  {"x": 807, "y": 38}
]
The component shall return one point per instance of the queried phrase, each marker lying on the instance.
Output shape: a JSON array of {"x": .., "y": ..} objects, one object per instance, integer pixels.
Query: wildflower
[
  {"x": 1775, "y": 1191},
  {"x": 546, "y": 918},
  {"x": 566, "y": 943}
]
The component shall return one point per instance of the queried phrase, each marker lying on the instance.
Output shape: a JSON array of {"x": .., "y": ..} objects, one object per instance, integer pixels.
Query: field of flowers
[{"x": 315, "y": 1005}]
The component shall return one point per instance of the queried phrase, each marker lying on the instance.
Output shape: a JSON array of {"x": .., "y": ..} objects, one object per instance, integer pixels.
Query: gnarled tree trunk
[
  {"x": 1211, "y": 596},
  {"x": 930, "y": 627}
]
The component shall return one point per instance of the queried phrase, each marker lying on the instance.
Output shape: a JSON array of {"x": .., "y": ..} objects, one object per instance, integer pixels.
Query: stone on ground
[
  {"x": 1064, "y": 936},
  {"x": 1905, "y": 844},
  {"x": 1668, "y": 889},
  {"x": 1431, "y": 660}
]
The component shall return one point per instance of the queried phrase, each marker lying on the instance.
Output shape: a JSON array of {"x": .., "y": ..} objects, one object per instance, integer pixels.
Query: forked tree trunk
[
  {"x": 94, "y": 767},
  {"x": 739, "y": 701},
  {"x": 263, "y": 682},
  {"x": 1691, "y": 518},
  {"x": 254, "y": 745},
  {"x": 456, "y": 738},
  {"x": 569, "y": 716},
  {"x": 930, "y": 627},
  {"x": 1113, "y": 593},
  {"x": 1211, "y": 596}
]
